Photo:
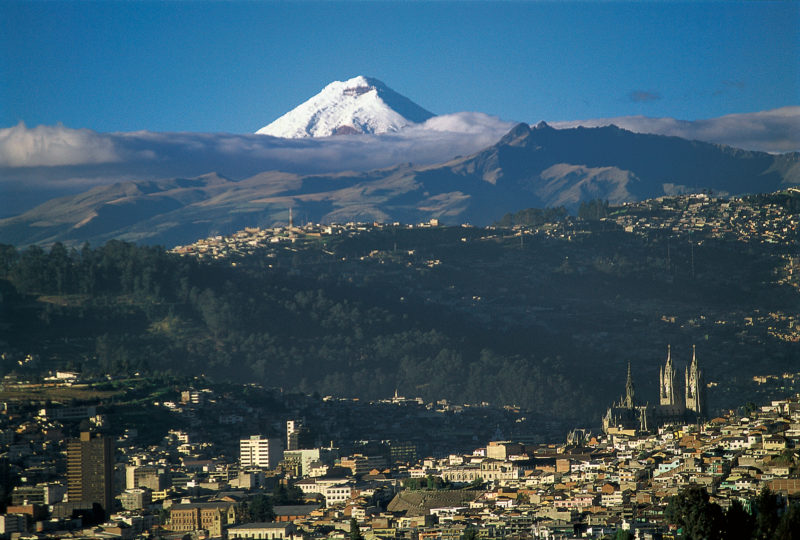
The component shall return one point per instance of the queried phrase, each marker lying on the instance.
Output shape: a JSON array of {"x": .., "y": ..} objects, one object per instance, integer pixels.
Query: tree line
[{"x": 697, "y": 518}]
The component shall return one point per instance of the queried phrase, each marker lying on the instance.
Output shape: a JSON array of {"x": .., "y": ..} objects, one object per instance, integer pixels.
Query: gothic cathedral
[{"x": 626, "y": 415}]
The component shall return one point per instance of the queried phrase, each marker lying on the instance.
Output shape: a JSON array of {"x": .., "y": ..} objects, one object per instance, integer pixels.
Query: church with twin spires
[{"x": 627, "y": 415}]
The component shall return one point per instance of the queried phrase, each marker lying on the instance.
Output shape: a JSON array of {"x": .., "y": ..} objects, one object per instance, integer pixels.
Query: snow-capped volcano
[{"x": 358, "y": 105}]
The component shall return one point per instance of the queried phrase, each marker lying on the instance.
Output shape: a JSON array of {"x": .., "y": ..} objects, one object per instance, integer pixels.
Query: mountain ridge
[{"x": 536, "y": 166}]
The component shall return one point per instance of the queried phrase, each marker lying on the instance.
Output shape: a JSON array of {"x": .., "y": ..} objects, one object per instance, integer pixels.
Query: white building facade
[{"x": 258, "y": 451}]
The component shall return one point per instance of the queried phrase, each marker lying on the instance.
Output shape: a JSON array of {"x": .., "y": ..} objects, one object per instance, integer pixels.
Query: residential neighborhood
[{"x": 280, "y": 482}]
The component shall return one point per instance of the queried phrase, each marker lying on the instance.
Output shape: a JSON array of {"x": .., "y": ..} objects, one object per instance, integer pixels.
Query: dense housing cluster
[{"x": 219, "y": 464}]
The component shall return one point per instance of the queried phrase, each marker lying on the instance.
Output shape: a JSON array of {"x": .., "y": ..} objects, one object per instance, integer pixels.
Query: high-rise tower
[
  {"x": 666, "y": 381},
  {"x": 90, "y": 470}
]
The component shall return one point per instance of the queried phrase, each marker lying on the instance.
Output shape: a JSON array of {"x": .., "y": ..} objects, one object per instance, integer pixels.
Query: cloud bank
[
  {"x": 37, "y": 164},
  {"x": 774, "y": 131},
  {"x": 54, "y": 145},
  {"x": 46, "y": 161},
  {"x": 438, "y": 139}
]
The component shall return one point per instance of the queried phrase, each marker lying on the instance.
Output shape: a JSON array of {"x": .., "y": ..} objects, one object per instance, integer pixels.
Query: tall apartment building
[
  {"x": 293, "y": 428},
  {"x": 90, "y": 470},
  {"x": 258, "y": 451}
]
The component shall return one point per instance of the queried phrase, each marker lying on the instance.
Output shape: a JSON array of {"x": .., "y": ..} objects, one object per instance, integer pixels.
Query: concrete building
[
  {"x": 12, "y": 523},
  {"x": 258, "y": 451},
  {"x": 135, "y": 498},
  {"x": 90, "y": 470},
  {"x": 293, "y": 429},
  {"x": 269, "y": 531},
  {"x": 144, "y": 477}
]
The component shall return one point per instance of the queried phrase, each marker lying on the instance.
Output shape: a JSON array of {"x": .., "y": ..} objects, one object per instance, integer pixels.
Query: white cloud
[
  {"x": 469, "y": 122},
  {"x": 39, "y": 163},
  {"x": 35, "y": 163},
  {"x": 54, "y": 145},
  {"x": 437, "y": 140},
  {"x": 774, "y": 131}
]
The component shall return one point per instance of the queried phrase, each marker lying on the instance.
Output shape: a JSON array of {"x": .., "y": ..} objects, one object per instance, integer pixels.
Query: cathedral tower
[
  {"x": 629, "y": 401},
  {"x": 666, "y": 378},
  {"x": 695, "y": 400}
]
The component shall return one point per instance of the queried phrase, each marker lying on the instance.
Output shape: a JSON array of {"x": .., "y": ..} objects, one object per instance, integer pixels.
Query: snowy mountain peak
[{"x": 358, "y": 105}]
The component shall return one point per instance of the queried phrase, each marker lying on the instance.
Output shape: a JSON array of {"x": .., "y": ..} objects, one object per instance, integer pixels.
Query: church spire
[
  {"x": 667, "y": 381},
  {"x": 629, "y": 391},
  {"x": 695, "y": 400}
]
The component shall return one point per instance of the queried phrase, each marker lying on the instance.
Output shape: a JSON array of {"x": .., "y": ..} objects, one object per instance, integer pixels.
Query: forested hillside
[
  {"x": 122, "y": 309},
  {"x": 546, "y": 320}
]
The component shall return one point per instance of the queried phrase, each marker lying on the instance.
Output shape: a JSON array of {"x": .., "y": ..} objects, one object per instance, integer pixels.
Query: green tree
[
  {"x": 355, "y": 530},
  {"x": 260, "y": 508},
  {"x": 789, "y": 525},
  {"x": 739, "y": 524},
  {"x": 766, "y": 510},
  {"x": 692, "y": 512},
  {"x": 470, "y": 533},
  {"x": 411, "y": 483},
  {"x": 477, "y": 483}
]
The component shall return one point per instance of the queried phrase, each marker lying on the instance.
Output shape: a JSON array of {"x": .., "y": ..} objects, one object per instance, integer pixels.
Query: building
[
  {"x": 192, "y": 396},
  {"x": 666, "y": 382},
  {"x": 629, "y": 416},
  {"x": 288, "y": 513},
  {"x": 144, "y": 477},
  {"x": 12, "y": 523},
  {"x": 90, "y": 470},
  {"x": 211, "y": 516},
  {"x": 68, "y": 413},
  {"x": 300, "y": 461},
  {"x": 258, "y": 451},
  {"x": 268, "y": 531},
  {"x": 45, "y": 493},
  {"x": 695, "y": 396},
  {"x": 626, "y": 415},
  {"x": 298, "y": 435},
  {"x": 337, "y": 494},
  {"x": 361, "y": 464},
  {"x": 293, "y": 428},
  {"x": 135, "y": 498}
]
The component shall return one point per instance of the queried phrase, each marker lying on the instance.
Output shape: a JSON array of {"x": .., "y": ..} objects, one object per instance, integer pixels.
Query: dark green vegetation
[
  {"x": 125, "y": 309},
  {"x": 700, "y": 519},
  {"x": 545, "y": 321},
  {"x": 260, "y": 507}
]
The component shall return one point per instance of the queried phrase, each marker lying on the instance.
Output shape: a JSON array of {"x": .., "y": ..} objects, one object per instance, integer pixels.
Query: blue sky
[{"x": 236, "y": 66}]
